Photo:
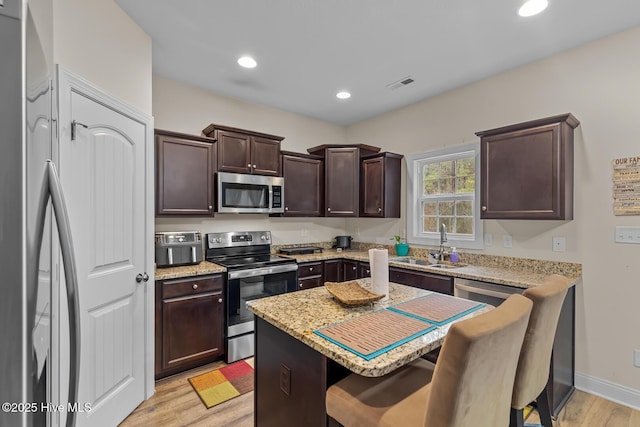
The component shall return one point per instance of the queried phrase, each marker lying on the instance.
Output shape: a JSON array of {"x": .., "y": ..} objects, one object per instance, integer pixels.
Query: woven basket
[{"x": 351, "y": 293}]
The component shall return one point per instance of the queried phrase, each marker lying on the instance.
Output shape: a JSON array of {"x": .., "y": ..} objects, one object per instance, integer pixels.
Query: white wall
[
  {"x": 600, "y": 84},
  {"x": 183, "y": 108},
  {"x": 96, "y": 40}
]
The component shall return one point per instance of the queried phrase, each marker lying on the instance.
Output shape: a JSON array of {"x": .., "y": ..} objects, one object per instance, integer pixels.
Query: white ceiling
[{"x": 307, "y": 50}]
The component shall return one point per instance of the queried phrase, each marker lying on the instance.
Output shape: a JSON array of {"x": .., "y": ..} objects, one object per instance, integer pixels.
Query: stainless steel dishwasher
[{"x": 489, "y": 293}]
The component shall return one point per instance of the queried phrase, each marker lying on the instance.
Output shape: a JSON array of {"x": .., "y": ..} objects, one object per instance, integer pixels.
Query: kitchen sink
[
  {"x": 410, "y": 260},
  {"x": 421, "y": 261},
  {"x": 448, "y": 265}
]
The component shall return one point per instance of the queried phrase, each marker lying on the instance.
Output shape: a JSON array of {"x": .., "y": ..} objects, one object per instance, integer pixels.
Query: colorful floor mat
[{"x": 223, "y": 384}]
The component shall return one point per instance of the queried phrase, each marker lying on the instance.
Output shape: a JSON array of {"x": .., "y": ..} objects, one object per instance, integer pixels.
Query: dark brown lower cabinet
[
  {"x": 364, "y": 270},
  {"x": 333, "y": 271},
  {"x": 189, "y": 321},
  {"x": 310, "y": 275},
  {"x": 350, "y": 270},
  {"x": 422, "y": 280}
]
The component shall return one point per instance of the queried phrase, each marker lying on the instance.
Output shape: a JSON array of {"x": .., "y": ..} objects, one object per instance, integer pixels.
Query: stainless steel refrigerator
[{"x": 34, "y": 229}]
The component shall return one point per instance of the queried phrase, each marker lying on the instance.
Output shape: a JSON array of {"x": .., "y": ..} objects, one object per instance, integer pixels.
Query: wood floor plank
[{"x": 176, "y": 404}]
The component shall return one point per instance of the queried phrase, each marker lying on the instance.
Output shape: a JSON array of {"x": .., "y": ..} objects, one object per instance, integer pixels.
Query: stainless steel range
[{"x": 252, "y": 273}]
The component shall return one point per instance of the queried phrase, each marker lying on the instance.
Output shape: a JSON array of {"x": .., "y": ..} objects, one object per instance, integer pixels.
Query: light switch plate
[{"x": 628, "y": 235}]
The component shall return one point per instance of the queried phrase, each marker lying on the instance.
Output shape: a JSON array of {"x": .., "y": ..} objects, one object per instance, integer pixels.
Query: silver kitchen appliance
[
  {"x": 243, "y": 193},
  {"x": 252, "y": 273},
  {"x": 32, "y": 197},
  {"x": 178, "y": 248}
]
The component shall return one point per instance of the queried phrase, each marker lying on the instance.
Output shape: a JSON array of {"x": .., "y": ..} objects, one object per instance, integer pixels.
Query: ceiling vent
[{"x": 400, "y": 83}]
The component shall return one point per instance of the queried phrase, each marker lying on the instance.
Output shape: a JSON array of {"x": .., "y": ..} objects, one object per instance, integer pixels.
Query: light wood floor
[{"x": 176, "y": 404}]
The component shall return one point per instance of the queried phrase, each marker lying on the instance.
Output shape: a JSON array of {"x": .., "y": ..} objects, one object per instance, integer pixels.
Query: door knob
[{"x": 142, "y": 277}]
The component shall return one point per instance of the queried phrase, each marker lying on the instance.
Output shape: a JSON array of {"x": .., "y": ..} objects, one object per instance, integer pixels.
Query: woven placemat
[
  {"x": 373, "y": 334},
  {"x": 437, "y": 308}
]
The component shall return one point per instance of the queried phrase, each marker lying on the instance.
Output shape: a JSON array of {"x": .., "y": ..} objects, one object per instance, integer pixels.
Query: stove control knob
[
  {"x": 218, "y": 239},
  {"x": 264, "y": 237}
]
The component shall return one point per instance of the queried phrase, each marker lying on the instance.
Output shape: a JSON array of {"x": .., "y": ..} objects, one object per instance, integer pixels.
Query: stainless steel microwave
[{"x": 242, "y": 193}]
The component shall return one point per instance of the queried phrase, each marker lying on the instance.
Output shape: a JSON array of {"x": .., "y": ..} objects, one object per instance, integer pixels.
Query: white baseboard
[{"x": 607, "y": 390}]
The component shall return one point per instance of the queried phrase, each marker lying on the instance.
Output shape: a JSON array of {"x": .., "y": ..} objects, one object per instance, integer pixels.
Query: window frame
[{"x": 413, "y": 207}]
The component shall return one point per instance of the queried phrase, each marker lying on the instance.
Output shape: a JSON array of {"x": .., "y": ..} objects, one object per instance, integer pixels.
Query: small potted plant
[{"x": 402, "y": 248}]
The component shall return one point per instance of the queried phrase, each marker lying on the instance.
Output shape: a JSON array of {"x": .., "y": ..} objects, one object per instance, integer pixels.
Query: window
[{"x": 442, "y": 188}]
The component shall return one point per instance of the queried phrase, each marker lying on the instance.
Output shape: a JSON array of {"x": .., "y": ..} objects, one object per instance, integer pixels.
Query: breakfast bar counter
[{"x": 294, "y": 366}]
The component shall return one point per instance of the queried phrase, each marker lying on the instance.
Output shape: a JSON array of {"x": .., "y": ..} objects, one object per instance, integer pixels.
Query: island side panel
[{"x": 291, "y": 380}]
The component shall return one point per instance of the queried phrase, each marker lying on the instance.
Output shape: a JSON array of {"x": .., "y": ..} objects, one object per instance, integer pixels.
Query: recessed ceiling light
[
  {"x": 343, "y": 95},
  {"x": 247, "y": 62},
  {"x": 532, "y": 7}
]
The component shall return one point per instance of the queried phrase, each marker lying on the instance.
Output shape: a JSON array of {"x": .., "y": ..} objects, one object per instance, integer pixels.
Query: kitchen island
[{"x": 294, "y": 366}]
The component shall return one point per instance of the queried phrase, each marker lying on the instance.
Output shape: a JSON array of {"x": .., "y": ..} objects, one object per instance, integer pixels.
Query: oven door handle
[
  {"x": 262, "y": 271},
  {"x": 482, "y": 291}
]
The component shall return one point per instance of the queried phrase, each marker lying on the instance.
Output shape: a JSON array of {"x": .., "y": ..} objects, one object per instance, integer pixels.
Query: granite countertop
[
  {"x": 205, "y": 267},
  {"x": 517, "y": 272},
  {"x": 300, "y": 313}
]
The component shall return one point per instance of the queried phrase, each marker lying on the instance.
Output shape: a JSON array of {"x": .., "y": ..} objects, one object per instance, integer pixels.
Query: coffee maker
[{"x": 343, "y": 242}]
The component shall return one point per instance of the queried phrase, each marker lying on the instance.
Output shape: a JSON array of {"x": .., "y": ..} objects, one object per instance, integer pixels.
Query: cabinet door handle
[
  {"x": 195, "y": 286},
  {"x": 328, "y": 209},
  {"x": 354, "y": 268},
  {"x": 484, "y": 208},
  {"x": 254, "y": 166},
  {"x": 249, "y": 165},
  {"x": 220, "y": 300},
  {"x": 286, "y": 208},
  {"x": 379, "y": 209},
  {"x": 300, "y": 285}
]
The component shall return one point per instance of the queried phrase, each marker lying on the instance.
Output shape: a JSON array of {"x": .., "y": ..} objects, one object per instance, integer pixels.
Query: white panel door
[{"x": 103, "y": 173}]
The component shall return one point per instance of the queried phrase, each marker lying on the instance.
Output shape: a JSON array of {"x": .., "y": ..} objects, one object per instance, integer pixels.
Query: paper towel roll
[{"x": 379, "y": 263}]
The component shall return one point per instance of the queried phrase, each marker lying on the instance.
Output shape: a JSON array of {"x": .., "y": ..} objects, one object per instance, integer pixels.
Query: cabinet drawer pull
[
  {"x": 195, "y": 286},
  {"x": 310, "y": 268}
]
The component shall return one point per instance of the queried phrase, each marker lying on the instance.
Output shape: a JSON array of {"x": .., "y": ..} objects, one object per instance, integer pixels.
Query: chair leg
[
  {"x": 516, "y": 418},
  {"x": 544, "y": 408}
]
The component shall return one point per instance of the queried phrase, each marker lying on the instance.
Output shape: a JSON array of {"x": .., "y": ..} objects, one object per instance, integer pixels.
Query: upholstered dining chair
[
  {"x": 532, "y": 374},
  {"x": 470, "y": 385}
]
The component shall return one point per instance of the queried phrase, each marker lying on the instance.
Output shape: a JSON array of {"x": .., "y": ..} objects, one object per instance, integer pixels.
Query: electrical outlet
[
  {"x": 488, "y": 239},
  {"x": 507, "y": 241},
  {"x": 636, "y": 358},
  {"x": 627, "y": 235},
  {"x": 559, "y": 244}
]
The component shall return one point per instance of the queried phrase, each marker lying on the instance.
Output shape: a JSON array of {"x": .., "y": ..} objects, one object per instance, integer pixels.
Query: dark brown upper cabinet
[
  {"x": 185, "y": 165},
  {"x": 527, "y": 170},
  {"x": 342, "y": 177},
  {"x": 304, "y": 184},
  {"x": 380, "y": 186},
  {"x": 245, "y": 151}
]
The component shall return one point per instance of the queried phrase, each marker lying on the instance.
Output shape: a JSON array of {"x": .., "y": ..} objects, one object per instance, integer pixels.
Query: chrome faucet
[
  {"x": 439, "y": 256},
  {"x": 443, "y": 235}
]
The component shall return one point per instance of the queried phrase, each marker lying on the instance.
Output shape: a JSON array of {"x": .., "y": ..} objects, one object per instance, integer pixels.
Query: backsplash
[{"x": 568, "y": 269}]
